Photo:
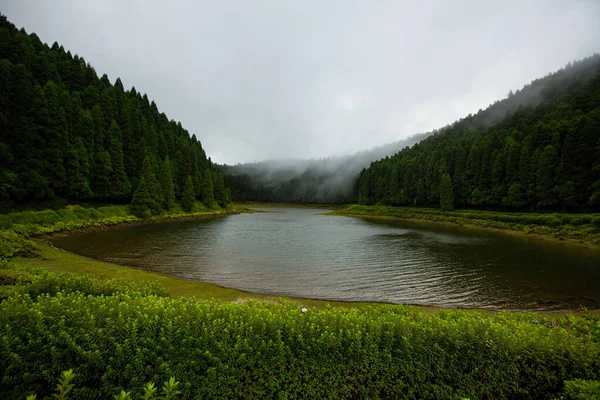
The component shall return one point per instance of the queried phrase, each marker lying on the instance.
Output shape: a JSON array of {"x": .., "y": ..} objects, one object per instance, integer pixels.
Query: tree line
[
  {"x": 540, "y": 156},
  {"x": 66, "y": 133}
]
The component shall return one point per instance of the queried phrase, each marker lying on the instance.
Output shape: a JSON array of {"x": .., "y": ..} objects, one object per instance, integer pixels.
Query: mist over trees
[
  {"x": 328, "y": 180},
  {"x": 544, "y": 154},
  {"x": 66, "y": 133}
]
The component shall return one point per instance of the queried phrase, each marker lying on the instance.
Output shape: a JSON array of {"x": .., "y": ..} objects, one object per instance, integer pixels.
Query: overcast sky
[{"x": 258, "y": 79}]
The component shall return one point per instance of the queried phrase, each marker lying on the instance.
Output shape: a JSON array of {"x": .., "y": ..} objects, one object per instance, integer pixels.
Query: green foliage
[
  {"x": 123, "y": 395},
  {"x": 141, "y": 202},
  {"x": 265, "y": 350},
  {"x": 149, "y": 391},
  {"x": 188, "y": 200},
  {"x": 579, "y": 389},
  {"x": 64, "y": 385},
  {"x": 169, "y": 389},
  {"x": 15, "y": 245}
]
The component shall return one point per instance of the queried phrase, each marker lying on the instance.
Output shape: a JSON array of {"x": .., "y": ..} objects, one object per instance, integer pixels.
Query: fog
[{"x": 260, "y": 80}]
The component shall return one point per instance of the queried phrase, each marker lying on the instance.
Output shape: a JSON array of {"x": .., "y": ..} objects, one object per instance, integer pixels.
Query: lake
[{"x": 301, "y": 252}]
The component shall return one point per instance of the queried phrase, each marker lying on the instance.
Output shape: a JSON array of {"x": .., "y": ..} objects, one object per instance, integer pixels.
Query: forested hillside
[
  {"x": 65, "y": 133},
  {"x": 544, "y": 155}
]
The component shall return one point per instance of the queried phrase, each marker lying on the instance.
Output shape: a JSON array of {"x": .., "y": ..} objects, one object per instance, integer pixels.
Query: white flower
[{"x": 304, "y": 310}]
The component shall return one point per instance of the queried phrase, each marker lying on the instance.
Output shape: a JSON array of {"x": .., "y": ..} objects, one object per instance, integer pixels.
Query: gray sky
[{"x": 259, "y": 79}]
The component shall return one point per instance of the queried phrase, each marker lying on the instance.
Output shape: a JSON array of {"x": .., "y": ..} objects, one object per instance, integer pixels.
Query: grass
[{"x": 581, "y": 229}]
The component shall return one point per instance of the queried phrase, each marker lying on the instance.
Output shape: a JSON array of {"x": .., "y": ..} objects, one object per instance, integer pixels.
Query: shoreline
[
  {"x": 565, "y": 241},
  {"x": 54, "y": 258}
]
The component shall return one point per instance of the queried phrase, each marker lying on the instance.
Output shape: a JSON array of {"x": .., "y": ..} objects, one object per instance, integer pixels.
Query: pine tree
[
  {"x": 188, "y": 201},
  {"x": 166, "y": 184},
  {"x": 446, "y": 193},
  {"x": 208, "y": 196},
  {"x": 219, "y": 189},
  {"x": 120, "y": 187},
  {"x": 141, "y": 201},
  {"x": 154, "y": 188}
]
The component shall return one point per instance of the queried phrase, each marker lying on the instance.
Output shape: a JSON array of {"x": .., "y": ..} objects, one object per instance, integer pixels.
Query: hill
[
  {"x": 543, "y": 153},
  {"x": 66, "y": 134}
]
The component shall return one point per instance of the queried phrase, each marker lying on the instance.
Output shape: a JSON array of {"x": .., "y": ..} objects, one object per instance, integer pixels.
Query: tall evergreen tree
[
  {"x": 120, "y": 187},
  {"x": 141, "y": 202},
  {"x": 166, "y": 184},
  {"x": 154, "y": 188},
  {"x": 220, "y": 191},
  {"x": 188, "y": 200},
  {"x": 208, "y": 196}
]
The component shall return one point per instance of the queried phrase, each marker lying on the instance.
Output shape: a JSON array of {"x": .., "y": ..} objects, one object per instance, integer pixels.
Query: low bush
[
  {"x": 14, "y": 245},
  {"x": 580, "y": 389},
  {"x": 267, "y": 350}
]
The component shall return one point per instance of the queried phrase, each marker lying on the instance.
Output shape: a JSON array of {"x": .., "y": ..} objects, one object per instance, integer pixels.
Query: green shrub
[
  {"x": 82, "y": 213},
  {"x": 5, "y": 221},
  {"x": 11, "y": 277},
  {"x": 580, "y": 389},
  {"x": 114, "y": 211},
  {"x": 14, "y": 245},
  {"x": 47, "y": 217},
  {"x": 95, "y": 214},
  {"x": 51, "y": 283},
  {"x": 67, "y": 215}
]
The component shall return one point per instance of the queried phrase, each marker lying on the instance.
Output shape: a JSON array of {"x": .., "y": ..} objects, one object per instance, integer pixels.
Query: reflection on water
[{"x": 299, "y": 253}]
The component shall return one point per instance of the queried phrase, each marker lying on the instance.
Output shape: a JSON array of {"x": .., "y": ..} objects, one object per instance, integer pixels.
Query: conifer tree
[
  {"x": 219, "y": 190},
  {"x": 446, "y": 193},
  {"x": 166, "y": 184},
  {"x": 188, "y": 200},
  {"x": 141, "y": 201},
  {"x": 120, "y": 187},
  {"x": 208, "y": 196},
  {"x": 154, "y": 188}
]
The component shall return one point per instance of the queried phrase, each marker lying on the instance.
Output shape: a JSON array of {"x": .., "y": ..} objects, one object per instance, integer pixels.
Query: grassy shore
[{"x": 580, "y": 229}]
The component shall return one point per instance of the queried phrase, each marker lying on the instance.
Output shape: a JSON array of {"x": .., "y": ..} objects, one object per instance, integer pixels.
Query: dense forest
[
  {"x": 67, "y": 134},
  {"x": 544, "y": 154}
]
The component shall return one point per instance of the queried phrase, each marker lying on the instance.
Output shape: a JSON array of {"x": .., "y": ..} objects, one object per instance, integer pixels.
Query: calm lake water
[{"x": 298, "y": 252}]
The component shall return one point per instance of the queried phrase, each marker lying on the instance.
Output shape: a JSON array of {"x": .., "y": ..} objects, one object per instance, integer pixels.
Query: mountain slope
[
  {"x": 65, "y": 133},
  {"x": 545, "y": 155}
]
